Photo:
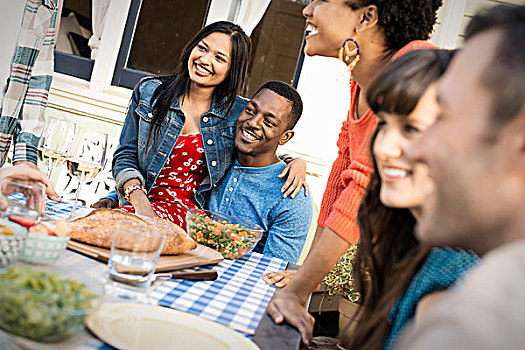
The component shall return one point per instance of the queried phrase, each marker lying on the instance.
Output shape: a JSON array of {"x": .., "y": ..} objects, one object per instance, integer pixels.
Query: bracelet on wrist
[{"x": 128, "y": 190}]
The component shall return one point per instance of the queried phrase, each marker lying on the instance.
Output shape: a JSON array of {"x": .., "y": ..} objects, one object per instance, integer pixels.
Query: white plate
[{"x": 137, "y": 327}]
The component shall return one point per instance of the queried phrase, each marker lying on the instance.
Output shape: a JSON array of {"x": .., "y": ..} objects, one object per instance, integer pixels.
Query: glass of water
[
  {"x": 134, "y": 255},
  {"x": 25, "y": 198}
]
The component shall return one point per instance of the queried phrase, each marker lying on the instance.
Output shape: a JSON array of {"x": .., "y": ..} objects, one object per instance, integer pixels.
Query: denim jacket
[{"x": 134, "y": 159}]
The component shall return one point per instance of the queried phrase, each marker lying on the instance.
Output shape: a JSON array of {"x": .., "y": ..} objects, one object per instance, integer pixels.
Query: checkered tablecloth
[
  {"x": 55, "y": 210},
  {"x": 237, "y": 298}
]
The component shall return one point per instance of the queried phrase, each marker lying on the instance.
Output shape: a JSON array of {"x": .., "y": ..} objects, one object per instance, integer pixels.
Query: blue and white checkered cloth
[
  {"x": 237, "y": 298},
  {"x": 62, "y": 210}
]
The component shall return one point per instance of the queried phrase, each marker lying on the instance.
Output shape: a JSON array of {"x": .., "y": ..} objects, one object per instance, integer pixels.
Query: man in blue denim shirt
[{"x": 251, "y": 189}]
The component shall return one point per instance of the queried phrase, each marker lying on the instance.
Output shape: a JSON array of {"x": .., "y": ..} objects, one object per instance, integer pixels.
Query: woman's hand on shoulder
[{"x": 296, "y": 171}]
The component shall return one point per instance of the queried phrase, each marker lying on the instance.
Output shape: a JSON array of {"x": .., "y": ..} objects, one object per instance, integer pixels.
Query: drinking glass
[
  {"x": 56, "y": 143},
  {"x": 87, "y": 158},
  {"x": 134, "y": 255},
  {"x": 26, "y": 198}
]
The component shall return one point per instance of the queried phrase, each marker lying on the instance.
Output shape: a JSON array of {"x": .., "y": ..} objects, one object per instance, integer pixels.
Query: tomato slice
[{"x": 26, "y": 222}]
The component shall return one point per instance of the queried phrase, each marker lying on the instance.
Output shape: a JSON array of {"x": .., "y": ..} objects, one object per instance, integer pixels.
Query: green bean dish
[{"x": 40, "y": 305}]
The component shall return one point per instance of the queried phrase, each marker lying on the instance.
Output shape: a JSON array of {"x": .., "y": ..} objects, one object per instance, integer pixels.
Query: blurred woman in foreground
[{"x": 400, "y": 277}]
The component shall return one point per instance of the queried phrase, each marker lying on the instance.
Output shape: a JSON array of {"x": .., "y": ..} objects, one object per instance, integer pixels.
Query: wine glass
[
  {"x": 56, "y": 143},
  {"x": 87, "y": 159}
]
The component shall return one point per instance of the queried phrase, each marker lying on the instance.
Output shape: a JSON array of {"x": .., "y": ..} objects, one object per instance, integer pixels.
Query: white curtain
[
  {"x": 98, "y": 14},
  {"x": 250, "y": 12}
]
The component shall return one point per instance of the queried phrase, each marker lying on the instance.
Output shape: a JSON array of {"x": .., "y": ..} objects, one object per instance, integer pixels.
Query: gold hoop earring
[{"x": 346, "y": 53}]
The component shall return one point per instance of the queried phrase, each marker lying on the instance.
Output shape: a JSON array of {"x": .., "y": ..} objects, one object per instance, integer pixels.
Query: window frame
[
  {"x": 77, "y": 66},
  {"x": 73, "y": 65},
  {"x": 108, "y": 73},
  {"x": 299, "y": 64},
  {"x": 127, "y": 77}
]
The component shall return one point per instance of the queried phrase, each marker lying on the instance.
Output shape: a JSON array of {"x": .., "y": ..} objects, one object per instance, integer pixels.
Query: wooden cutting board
[{"x": 199, "y": 256}]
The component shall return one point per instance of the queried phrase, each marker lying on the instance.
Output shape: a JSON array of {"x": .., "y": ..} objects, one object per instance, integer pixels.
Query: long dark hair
[
  {"x": 388, "y": 252},
  {"x": 178, "y": 84}
]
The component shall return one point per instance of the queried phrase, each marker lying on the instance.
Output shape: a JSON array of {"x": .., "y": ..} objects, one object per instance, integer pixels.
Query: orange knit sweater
[{"x": 351, "y": 170}]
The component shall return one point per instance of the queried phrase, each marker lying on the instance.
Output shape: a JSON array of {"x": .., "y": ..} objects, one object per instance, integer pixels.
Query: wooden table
[{"x": 268, "y": 335}]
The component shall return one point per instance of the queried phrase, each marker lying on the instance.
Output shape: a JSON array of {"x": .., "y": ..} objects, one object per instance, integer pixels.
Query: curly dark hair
[{"x": 403, "y": 20}]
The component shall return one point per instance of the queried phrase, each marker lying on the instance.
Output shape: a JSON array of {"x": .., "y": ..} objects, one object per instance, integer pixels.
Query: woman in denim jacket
[{"x": 198, "y": 104}]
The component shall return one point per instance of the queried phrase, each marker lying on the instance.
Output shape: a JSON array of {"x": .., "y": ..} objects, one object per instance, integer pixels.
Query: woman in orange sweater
[{"x": 365, "y": 34}]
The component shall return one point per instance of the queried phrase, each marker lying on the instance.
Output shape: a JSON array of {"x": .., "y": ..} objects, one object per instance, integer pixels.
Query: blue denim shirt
[
  {"x": 134, "y": 159},
  {"x": 254, "y": 194}
]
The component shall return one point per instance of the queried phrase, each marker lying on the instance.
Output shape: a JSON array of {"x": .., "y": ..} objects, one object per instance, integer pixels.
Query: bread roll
[{"x": 97, "y": 229}]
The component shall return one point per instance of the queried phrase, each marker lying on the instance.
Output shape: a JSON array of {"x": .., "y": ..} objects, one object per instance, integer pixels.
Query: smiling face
[
  {"x": 209, "y": 62},
  {"x": 404, "y": 182},
  {"x": 262, "y": 127},
  {"x": 330, "y": 23},
  {"x": 477, "y": 193}
]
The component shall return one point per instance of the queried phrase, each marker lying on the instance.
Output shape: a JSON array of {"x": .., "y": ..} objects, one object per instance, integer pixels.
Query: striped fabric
[{"x": 24, "y": 103}]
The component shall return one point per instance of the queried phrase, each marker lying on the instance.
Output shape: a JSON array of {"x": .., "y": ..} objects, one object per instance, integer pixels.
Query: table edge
[{"x": 272, "y": 336}]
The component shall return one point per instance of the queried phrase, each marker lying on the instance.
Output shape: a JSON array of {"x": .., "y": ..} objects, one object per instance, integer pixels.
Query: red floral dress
[{"x": 183, "y": 172}]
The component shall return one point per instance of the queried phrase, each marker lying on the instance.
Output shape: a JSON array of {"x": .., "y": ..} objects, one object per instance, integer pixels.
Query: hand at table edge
[
  {"x": 279, "y": 278},
  {"x": 104, "y": 203},
  {"x": 288, "y": 307}
]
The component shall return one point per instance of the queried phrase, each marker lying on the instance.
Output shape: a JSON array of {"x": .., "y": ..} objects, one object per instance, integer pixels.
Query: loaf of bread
[{"x": 97, "y": 229}]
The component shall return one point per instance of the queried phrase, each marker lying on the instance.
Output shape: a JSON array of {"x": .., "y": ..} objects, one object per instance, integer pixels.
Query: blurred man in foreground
[{"x": 476, "y": 155}]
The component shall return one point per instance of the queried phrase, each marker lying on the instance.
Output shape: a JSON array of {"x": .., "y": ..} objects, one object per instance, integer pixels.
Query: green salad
[
  {"x": 231, "y": 240},
  {"x": 40, "y": 305}
]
